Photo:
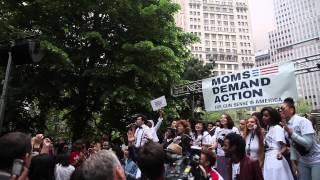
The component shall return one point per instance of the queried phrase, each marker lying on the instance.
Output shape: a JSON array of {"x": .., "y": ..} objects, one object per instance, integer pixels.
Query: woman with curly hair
[
  {"x": 254, "y": 136},
  {"x": 275, "y": 166},
  {"x": 183, "y": 136}
]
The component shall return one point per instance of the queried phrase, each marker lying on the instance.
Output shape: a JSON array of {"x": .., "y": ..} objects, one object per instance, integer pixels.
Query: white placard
[
  {"x": 252, "y": 87},
  {"x": 158, "y": 103}
]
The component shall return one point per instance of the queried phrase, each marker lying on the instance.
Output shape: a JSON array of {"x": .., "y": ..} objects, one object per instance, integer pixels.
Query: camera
[
  {"x": 221, "y": 139},
  {"x": 180, "y": 167},
  {"x": 176, "y": 167}
]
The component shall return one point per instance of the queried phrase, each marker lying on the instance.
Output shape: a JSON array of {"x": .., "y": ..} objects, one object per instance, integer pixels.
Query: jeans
[{"x": 308, "y": 172}]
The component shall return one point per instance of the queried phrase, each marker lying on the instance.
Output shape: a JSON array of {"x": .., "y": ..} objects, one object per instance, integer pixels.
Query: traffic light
[{"x": 22, "y": 52}]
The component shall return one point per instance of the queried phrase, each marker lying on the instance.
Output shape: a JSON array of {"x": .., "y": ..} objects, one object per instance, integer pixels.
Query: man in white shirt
[{"x": 143, "y": 133}]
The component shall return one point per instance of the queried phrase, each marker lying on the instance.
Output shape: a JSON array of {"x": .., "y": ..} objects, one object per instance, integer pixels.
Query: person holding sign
[
  {"x": 154, "y": 128},
  {"x": 305, "y": 146}
]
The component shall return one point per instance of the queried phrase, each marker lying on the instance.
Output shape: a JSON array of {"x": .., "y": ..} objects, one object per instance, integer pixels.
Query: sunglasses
[{"x": 281, "y": 109}]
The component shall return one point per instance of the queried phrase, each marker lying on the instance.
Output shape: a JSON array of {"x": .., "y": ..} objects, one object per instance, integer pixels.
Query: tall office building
[
  {"x": 224, "y": 30},
  {"x": 262, "y": 58},
  {"x": 297, "y": 36}
]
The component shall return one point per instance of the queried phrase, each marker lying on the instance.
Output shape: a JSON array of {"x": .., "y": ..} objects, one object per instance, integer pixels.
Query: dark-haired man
[
  {"x": 151, "y": 159},
  {"x": 15, "y": 153},
  {"x": 305, "y": 148},
  {"x": 241, "y": 166},
  {"x": 143, "y": 132}
]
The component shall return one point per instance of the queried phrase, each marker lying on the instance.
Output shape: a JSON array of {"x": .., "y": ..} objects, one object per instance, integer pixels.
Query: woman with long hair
[
  {"x": 254, "y": 136},
  {"x": 275, "y": 165},
  {"x": 226, "y": 127}
]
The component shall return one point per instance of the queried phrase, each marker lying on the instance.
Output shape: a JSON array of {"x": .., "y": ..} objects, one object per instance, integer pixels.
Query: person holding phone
[
  {"x": 15, "y": 158},
  {"x": 42, "y": 165},
  {"x": 254, "y": 137},
  {"x": 305, "y": 145}
]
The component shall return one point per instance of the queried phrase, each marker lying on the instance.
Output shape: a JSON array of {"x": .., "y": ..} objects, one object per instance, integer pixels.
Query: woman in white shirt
[
  {"x": 275, "y": 165},
  {"x": 201, "y": 138},
  {"x": 254, "y": 136},
  {"x": 226, "y": 127},
  {"x": 63, "y": 169}
]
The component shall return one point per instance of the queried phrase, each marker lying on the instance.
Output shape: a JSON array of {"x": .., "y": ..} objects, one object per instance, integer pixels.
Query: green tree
[
  {"x": 104, "y": 60},
  {"x": 303, "y": 106},
  {"x": 195, "y": 70}
]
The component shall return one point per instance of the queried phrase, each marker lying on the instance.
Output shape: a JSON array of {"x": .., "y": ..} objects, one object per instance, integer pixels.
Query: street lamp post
[
  {"x": 4, "y": 89},
  {"x": 20, "y": 51}
]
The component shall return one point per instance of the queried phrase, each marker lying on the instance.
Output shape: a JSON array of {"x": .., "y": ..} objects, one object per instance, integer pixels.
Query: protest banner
[
  {"x": 158, "y": 103},
  {"x": 252, "y": 87}
]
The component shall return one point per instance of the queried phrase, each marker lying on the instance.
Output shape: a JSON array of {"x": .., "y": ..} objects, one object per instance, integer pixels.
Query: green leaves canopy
[{"x": 104, "y": 60}]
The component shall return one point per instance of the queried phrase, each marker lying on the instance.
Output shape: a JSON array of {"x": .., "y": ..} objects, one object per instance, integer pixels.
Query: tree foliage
[
  {"x": 195, "y": 70},
  {"x": 104, "y": 60},
  {"x": 303, "y": 106}
]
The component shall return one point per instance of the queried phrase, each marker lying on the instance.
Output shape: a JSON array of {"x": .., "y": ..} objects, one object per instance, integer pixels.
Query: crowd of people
[{"x": 271, "y": 144}]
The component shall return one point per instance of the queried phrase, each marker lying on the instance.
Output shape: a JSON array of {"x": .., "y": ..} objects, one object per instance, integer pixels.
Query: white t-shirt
[
  {"x": 235, "y": 170},
  {"x": 273, "y": 137},
  {"x": 303, "y": 126},
  {"x": 252, "y": 142},
  {"x": 220, "y": 133},
  {"x": 202, "y": 139},
  {"x": 63, "y": 173},
  {"x": 209, "y": 139}
]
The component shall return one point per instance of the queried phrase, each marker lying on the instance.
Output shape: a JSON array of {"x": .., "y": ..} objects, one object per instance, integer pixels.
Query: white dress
[{"x": 275, "y": 169}]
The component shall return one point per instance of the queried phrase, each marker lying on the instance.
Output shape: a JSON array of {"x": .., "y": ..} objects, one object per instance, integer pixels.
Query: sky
[{"x": 262, "y": 21}]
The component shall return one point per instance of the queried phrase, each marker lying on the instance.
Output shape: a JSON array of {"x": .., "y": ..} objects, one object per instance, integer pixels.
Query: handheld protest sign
[{"x": 158, "y": 103}]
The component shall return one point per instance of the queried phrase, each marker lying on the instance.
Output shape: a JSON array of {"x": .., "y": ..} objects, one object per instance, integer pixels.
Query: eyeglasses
[{"x": 281, "y": 109}]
